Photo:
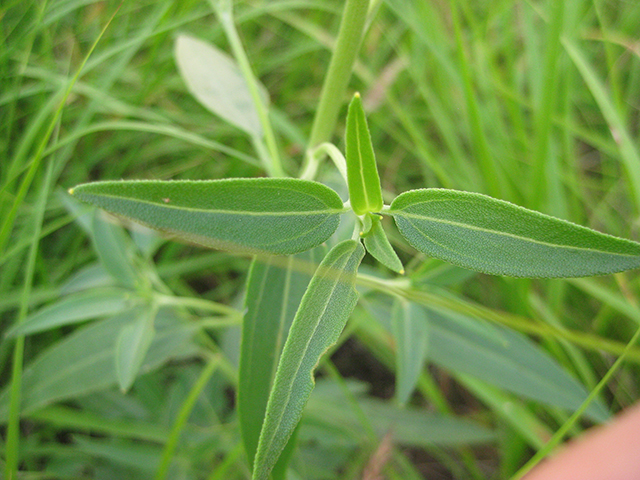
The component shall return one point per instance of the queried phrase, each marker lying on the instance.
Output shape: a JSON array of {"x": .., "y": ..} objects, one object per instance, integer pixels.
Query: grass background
[{"x": 535, "y": 102}]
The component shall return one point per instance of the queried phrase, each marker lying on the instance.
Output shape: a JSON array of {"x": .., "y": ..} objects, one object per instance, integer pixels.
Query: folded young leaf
[
  {"x": 365, "y": 194},
  {"x": 112, "y": 246},
  {"x": 496, "y": 237},
  {"x": 323, "y": 313},
  {"x": 256, "y": 215}
]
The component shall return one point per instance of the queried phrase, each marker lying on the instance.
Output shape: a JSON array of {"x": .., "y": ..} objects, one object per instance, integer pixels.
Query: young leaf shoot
[{"x": 362, "y": 175}]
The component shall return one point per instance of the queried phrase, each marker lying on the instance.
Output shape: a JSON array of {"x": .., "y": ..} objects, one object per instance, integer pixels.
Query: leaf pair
[{"x": 286, "y": 216}]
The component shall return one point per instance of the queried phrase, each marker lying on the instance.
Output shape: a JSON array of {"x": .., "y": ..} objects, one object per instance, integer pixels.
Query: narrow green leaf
[
  {"x": 323, "y": 313},
  {"x": 132, "y": 346},
  {"x": 275, "y": 287},
  {"x": 378, "y": 245},
  {"x": 113, "y": 249},
  {"x": 411, "y": 336},
  {"x": 75, "y": 308},
  {"x": 215, "y": 80},
  {"x": 362, "y": 175},
  {"x": 257, "y": 215},
  {"x": 81, "y": 420},
  {"x": 496, "y": 237}
]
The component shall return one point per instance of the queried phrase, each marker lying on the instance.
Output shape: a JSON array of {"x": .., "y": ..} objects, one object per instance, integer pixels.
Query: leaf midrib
[{"x": 328, "y": 211}]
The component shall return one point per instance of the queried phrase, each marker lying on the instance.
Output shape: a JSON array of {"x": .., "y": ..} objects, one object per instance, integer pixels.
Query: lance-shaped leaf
[
  {"x": 258, "y": 215},
  {"x": 215, "y": 80},
  {"x": 378, "y": 245},
  {"x": 323, "y": 313},
  {"x": 365, "y": 194},
  {"x": 275, "y": 287},
  {"x": 496, "y": 237}
]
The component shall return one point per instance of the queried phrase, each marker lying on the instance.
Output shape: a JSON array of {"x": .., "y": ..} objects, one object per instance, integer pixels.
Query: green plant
[
  {"x": 307, "y": 276},
  {"x": 289, "y": 216}
]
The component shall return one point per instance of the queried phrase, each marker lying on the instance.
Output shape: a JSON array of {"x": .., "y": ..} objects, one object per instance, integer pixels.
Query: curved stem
[{"x": 316, "y": 155}]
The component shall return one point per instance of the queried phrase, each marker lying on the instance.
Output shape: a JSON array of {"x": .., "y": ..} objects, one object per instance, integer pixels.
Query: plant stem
[
  {"x": 15, "y": 395},
  {"x": 224, "y": 11},
  {"x": 199, "y": 304},
  {"x": 335, "y": 83},
  {"x": 316, "y": 155}
]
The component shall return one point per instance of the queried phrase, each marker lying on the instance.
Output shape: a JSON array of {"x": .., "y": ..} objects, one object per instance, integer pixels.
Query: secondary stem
[{"x": 316, "y": 155}]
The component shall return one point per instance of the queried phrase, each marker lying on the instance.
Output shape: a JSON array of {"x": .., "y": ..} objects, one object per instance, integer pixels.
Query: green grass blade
[
  {"x": 365, "y": 193},
  {"x": 261, "y": 215},
  {"x": 559, "y": 435},
  {"x": 628, "y": 149},
  {"x": 183, "y": 416},
  {"x": 496, "y": 237},
  {"x": 8, "y": 221},
  {"x": 323, "y": 313},
  {"x": 274, "y": 289},
  {"x": 492, "y": 176}
]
